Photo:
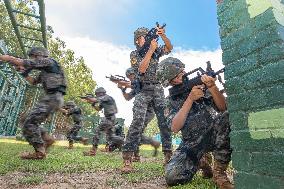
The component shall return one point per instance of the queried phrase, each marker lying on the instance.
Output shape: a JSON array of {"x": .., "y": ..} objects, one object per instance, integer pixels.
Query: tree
[{"x": 79, "y": 76}]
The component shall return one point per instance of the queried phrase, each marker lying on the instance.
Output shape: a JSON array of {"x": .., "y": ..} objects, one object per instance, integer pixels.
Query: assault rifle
[
  {"x": 188, "y": 84},
  {"x": 87, "y": 96},
  {"x": 118, "y": 79},
  {"x": 152, "y": 34}
]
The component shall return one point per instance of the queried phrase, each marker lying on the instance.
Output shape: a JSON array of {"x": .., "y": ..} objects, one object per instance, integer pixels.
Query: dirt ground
[{"x": 98, "y": 180}]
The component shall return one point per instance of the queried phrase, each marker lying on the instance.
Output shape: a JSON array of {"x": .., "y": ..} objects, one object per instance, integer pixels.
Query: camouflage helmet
[
  {"x": 38, "y": 51},
  {"x": 70, "y": 103},
  {"x": 168, "y": 69},
  {"x": 100, "y": 90},
  {"x": 129, "y": 71},
  {"x": 139, "y": 32}
]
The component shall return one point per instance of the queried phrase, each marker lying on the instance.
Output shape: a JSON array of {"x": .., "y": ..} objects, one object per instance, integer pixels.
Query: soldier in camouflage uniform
[
  {"x": 53, "y": 81},
  {"x": 118, "y": 131},
  {"x": 150, "y": 114},
  {"x": 151, "y": 93},
  {"x": 107, "y": 104},
  {"x": 70, "y": 109},
  {"x": 203, "y": 130}
]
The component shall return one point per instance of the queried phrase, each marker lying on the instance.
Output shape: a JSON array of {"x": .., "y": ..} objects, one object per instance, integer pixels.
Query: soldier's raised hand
[
  {"x": 153, "y": 45},
  {"x": 208, "y": 80},
  {"x": 196, "y": 92},
  {"x": 160, "y": 31}
]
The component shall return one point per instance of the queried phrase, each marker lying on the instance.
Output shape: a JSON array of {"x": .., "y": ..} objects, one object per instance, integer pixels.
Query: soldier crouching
[
  {"x": 71, "y": 109},
  {"x": 203, "y": 128}
]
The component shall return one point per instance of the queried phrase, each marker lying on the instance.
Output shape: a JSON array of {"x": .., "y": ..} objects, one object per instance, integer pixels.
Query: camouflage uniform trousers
[
  {"x": 40, "y": 112},
  {"x": 72, "y": 135},
  {"x": 145, "y": 139},
  {"x": 150, "y": 114},
  {"x": 107, "y": 126},
  {"x": 141, "y": 104},
  {"x": 184, "y": 163}
]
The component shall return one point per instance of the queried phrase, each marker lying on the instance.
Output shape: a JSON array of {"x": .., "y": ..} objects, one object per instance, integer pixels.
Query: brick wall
[{"x": 252, "y": 40}]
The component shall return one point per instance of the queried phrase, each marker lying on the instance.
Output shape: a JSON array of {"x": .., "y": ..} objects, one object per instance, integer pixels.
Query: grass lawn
[{"x": 65, "y": 168}]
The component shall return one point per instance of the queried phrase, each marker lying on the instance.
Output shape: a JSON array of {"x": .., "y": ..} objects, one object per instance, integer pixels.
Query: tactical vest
[
  {"x": 53, "y": 78},
  {"x": 108, "y": 104},
  {"x": 77, "y": 115}
]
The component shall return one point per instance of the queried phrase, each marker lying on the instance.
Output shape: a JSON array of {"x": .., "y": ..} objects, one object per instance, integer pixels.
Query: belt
[{"x": 150, "y": 83}]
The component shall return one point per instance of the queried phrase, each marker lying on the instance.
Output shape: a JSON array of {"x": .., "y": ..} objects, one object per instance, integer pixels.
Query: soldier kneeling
[{"x": 203, "y": 122}]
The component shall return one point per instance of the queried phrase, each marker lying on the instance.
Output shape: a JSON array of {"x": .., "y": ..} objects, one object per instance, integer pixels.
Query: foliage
[
  {"x": 79, "y": 76},
  {"x": 152, "y": 128}
]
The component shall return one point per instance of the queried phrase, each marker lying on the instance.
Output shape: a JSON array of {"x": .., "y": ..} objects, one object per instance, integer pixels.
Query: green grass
[{"x": 62, "y": 160}]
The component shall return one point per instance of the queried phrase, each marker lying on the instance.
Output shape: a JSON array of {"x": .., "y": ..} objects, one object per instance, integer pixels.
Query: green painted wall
[{"x": 252, "y": 40}]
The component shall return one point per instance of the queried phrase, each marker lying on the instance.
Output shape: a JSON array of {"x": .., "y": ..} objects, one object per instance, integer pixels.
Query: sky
[{"x": 101, "y": 31}]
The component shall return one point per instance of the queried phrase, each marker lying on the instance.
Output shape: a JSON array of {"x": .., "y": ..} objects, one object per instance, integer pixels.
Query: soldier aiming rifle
[
  {"x": 104, "y": 102},
  {"x": 202, "y": 120}
]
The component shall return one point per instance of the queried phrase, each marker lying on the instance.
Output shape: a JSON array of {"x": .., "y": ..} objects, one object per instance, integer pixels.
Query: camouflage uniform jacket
[
  {"x": 76, "y": 114},
  {"x": 107, "y": 104},
  {"x": 199, "y": 118},
  {"x": 51, "y": 76},
  {"x": 150, "y": 74}
]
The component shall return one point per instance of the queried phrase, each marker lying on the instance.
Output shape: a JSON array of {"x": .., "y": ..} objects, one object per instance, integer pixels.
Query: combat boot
[
  {"x": 84, "y": 141},
  {"x": 220, "y": 177},
  {"x": 106, "y": 149},
  {"x": 38, "y": 154},
  {"x": 136, "y": 157},
  {"x": 156, "y": 145},
  {"x": 92, "y": 152},
  {"x": 71, "y": 145},
  {"x": 167, "y": 155},
  {"x": 127, "y": 163},
  {"x": 48, "y": 140},
  {"x": 204, "y": 166},
  {"x": 112, "y": 147}
]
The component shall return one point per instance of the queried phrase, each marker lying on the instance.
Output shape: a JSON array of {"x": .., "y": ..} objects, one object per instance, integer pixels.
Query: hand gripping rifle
[
  {"x": 152, "y": 34},
  {"x": 4, "y": 51},
  {"x": 188, "y": 84}
]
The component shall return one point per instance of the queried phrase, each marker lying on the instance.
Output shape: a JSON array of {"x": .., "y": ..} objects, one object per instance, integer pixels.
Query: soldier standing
[
  {"x": 203, "y": 130},
  {"x": 150, "y": 114},
  {"x": 151, "y": 92},
  {"x": 70, "y": 109},
  {"x": 53, "y": 81},
  {"x": 107, "y": 104}
]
